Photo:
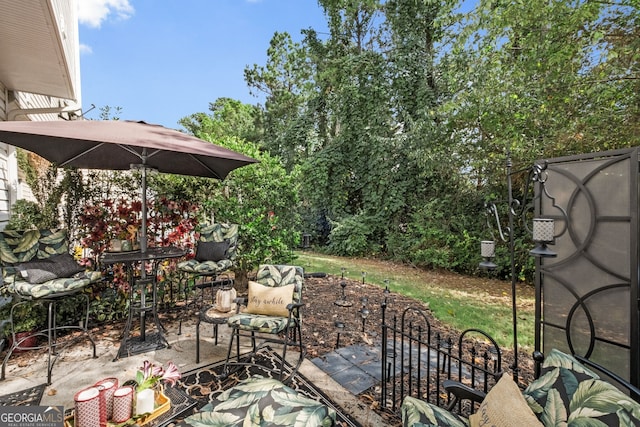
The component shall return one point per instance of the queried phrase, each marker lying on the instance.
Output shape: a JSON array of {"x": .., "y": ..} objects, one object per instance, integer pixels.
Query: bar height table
[{"x": 133, "y": 260}]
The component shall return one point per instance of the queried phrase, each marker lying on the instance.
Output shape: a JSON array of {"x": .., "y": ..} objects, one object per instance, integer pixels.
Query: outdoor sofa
[{"x": 566, "y": 393}]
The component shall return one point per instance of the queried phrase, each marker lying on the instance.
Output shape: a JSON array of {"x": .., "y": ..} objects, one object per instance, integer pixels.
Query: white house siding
[
  {"x": 14, "y": 104},
  {"x": 3, "y": 101},
  {"x": 8, "y": 174}
]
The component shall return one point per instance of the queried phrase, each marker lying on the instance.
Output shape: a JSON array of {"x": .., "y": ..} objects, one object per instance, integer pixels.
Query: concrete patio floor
[{"x": 76, "y": 369}]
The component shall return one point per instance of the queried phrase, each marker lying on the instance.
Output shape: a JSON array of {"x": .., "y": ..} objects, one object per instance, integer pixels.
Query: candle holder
[
  {"x": 543, "y": 234},
  {"x": 340, "y": 328},
  {"x": 342, "y": 301},
  {"x": 364, "y": 312},
  {"x": 387, "y": 299}
]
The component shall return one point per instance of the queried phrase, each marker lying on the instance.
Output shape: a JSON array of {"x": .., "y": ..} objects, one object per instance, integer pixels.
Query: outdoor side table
[
  {"x": 211, "y": 315},
  {"x": 134, "y": 260}
]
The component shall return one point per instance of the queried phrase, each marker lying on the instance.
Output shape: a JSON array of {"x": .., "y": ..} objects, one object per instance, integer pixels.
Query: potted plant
[{"x": 26, "y": 322}]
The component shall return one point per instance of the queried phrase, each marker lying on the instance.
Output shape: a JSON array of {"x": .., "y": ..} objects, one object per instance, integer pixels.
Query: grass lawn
[{"x": 462, "y": 302}]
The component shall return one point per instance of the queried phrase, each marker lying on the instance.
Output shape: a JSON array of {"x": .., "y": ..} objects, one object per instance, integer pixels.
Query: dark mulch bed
[{"x": 320, "y": 331}]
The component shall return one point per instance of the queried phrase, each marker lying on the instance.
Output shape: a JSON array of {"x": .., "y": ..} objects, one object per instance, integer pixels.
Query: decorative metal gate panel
[{"x": 587, "y": 297}]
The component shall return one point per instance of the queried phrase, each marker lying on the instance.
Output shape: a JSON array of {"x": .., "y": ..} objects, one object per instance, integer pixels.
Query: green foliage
[
  {"x": 351, "y": 237},
  {"x": 439, "y": 235},
  {"x": 405, "y": 108},
  {"x": 262, "y": 199},
  {"x": 27, "y": 316},
  {"x": 42, "y": 179},
  {"x": 26, "y": 215},
  {"x": 285, "y": 79},
  {"x": 228, "y": 118}
]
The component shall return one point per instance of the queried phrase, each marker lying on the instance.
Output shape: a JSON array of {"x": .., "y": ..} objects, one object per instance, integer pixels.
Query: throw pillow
[
  {"x": 64, "y": 265},
  {"x": 212, "y": 251},
  {"x": 268, "y": 300},
  {"x": 504, "y": 406},
  {"x": 36, "y": 276},
  {"x": 36, "y": 272}
]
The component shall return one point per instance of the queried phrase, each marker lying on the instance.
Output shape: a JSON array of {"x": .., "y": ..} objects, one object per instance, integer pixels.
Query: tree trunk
[{"x": 241, "y": 281}]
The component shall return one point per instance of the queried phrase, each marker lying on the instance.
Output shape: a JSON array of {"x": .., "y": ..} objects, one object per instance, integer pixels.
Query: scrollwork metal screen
[{"x": 587, "y": 297}]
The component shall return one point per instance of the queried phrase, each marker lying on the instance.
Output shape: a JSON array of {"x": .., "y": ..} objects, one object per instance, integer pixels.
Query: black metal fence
[{"x": 416, "y": 361}]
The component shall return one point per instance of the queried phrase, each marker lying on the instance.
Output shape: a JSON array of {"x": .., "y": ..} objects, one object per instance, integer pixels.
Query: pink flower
[
  {"x": 171, "y": 374},
  {"x": 150, "y": 374}
]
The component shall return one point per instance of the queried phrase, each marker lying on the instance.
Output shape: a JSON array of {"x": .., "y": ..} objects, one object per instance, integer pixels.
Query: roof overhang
[{"x": 32, "y": 49}]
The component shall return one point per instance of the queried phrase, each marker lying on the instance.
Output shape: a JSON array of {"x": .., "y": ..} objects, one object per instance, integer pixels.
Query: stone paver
[{"x": 356, "y": 368}]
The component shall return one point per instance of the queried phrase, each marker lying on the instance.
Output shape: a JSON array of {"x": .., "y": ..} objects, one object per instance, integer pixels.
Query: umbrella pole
[
  {"x": 143, "y": 228},
  {"x": 143, "y": 249}
]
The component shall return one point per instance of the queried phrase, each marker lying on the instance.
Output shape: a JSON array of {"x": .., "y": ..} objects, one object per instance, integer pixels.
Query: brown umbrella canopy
[
  {"x": 117, "y": 145},
  {"x": 121, "y": 145}
]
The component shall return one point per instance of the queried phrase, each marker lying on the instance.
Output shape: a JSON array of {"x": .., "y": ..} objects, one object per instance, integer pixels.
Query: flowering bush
[
  {"x": 169, "y": 223},
  {"x": 151, "y": 374}
]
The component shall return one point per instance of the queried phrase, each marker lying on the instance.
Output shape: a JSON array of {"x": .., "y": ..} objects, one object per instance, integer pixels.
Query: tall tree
[{"x": 285, "y": 80}]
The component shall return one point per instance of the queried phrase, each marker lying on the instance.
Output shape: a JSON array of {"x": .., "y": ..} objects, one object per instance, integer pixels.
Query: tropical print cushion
[
  {"x": 22, "y": 246},
  {"x": 262, "y": 402},
  {"x": 64, "y": 284},
  {"x": 37, "y": 252},
  {"x": 222, "y": 233},
  {"x": 568, "y": 393},
  {"x": 418, "y": 413},
  {"x": 259, "y": 323},
  {"x": 206, "y": 267},
  {"x": 273, "y": 276},
  {"x": 281, "y": 275}
]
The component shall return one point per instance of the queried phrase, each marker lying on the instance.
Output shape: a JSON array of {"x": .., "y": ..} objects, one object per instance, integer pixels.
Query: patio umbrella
[{"x": 122, "y": 145}]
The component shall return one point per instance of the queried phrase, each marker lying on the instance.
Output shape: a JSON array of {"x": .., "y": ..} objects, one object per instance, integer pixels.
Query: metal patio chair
[{"x": 280, "y": 324}]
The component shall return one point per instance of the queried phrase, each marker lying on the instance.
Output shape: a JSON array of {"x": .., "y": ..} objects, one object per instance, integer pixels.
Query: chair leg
[
  {"x": 183, "y": 282},
  {"x": 284, "y": 356},
  {"x": 225, "y": 369},
  {"x": 237, "y": 346},
  {"x": 51, "y": 319},
  {"x": 51, "y": 331},
  {"x": 198, "y": 340},
  {"x": 86, "y": 326}
]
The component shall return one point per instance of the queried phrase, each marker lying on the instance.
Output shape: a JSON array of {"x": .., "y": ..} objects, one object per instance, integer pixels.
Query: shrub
[{"x": 351, "y": 237}]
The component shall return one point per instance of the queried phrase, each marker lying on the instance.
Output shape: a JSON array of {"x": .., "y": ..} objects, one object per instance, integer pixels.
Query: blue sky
[{"x": 161, "y": 60}]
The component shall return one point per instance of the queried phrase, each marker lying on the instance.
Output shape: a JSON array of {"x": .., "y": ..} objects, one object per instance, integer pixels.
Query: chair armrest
[
  {"x": 294, "y": 305},
  {"x": 462, "y": 392}
]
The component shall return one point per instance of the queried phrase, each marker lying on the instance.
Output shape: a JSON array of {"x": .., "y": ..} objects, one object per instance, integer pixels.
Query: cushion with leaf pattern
[
  {"x": 419, "y": 413},
  {"x": 18, "y": 246},
  {"x": 262, "y": 402},
  {"x": 568, "y": 393},
  {"x": 37, "y": 263}
]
